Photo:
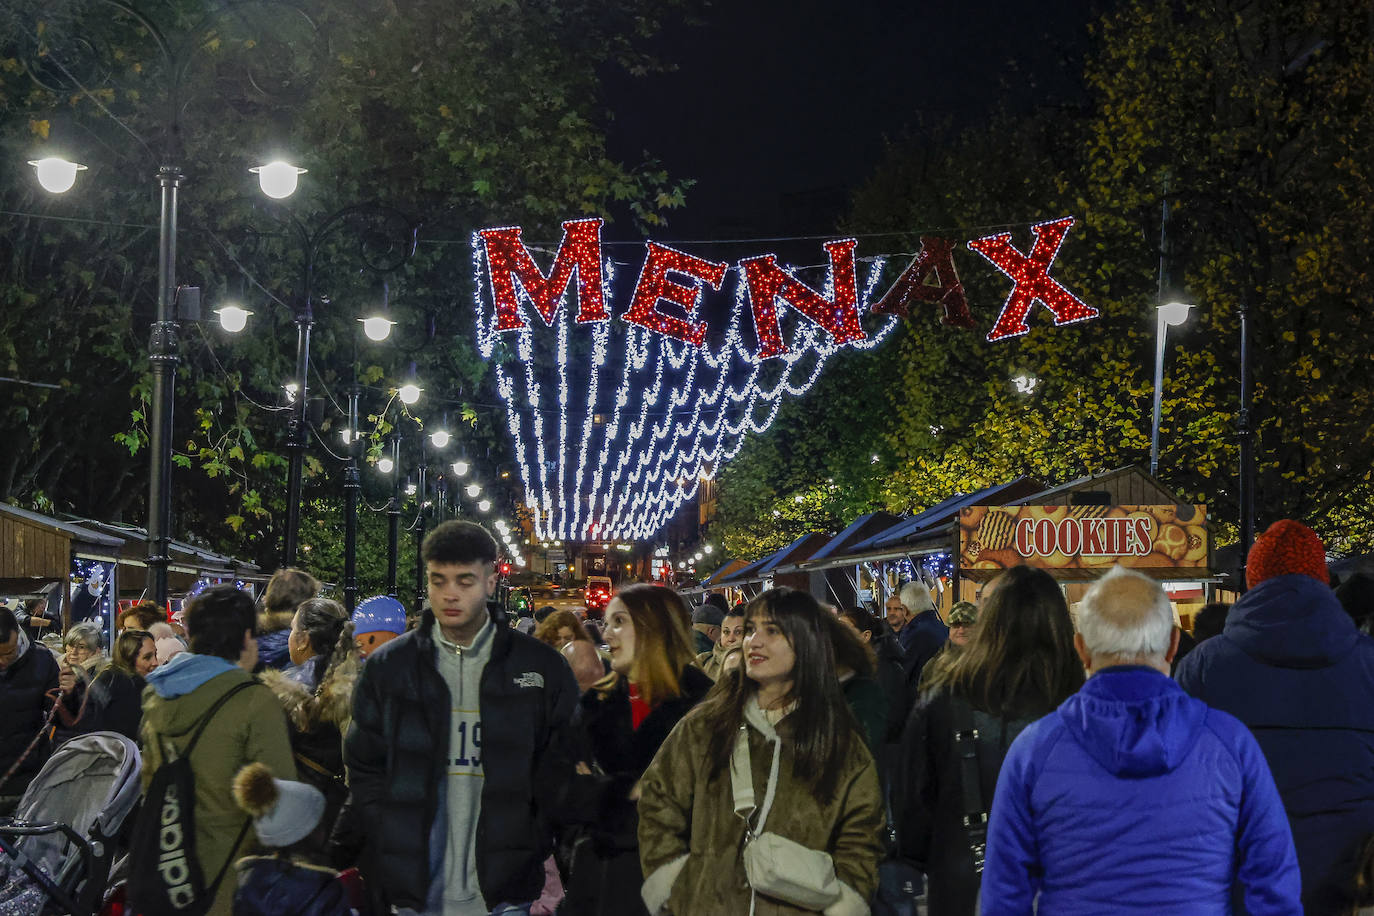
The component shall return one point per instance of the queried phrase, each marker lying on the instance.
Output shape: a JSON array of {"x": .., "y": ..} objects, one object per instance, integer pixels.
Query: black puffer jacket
[
  {"x": 605, "y": 866},
  {"x": 398, "y": 745},
  {"x": 24, "y": 686}
]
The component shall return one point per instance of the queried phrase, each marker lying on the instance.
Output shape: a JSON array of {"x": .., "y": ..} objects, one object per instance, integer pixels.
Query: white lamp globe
[
  {"x": 232, "y": 318},
  {"x": 409, "y": 393},
  {"x": 56, "y": 175},
  {"x": 484, "y": 505},
  {"x": 473, "y": 490},
  {"x": 278, "y": 179},
  {"x": 460, "y": 468},
  {"x": 377, "y": 327},
  {"x": 1174, "y": 313},
  {"x": 440, "y": 438},
  {"x": 384, "y": 465},
  {"x": 708, "y": 548}
]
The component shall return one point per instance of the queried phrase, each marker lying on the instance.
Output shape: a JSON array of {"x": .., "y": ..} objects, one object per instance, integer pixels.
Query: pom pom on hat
[
  {"x": 255, "y": 791},
  {"x": 1287, "y": 548},
  {"x": 283, "y": 812}
]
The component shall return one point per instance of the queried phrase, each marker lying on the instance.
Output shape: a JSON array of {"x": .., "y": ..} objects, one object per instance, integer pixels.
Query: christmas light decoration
[
  {"x": 768, "y": 282},
  {"x": 510, "y": 261},
  {"x": 609, "y": 447},
  {"x": 937, "y": 257},
  {"x": 1031, "y": 279},
  {"x": 655, "y": 286}
]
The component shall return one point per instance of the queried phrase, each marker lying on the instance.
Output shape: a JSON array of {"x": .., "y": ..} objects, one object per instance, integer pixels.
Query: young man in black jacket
[{"x": 462, "y": 744}]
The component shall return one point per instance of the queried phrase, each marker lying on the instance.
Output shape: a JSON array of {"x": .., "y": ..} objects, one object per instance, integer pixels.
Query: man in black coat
[
  {"x": 463, "y": 743},
  {"x": 922, "y": 634},
  {"x": 29, "y": 680}
]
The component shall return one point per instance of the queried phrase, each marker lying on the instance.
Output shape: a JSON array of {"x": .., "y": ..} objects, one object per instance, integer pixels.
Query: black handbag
[{"x": 975, "y": 817}]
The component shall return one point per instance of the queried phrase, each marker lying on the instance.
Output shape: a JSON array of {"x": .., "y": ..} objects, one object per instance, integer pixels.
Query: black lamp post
[
  {"x": 390, "y": 258},
  {"x": 393, "y": 514},
  {"x": 1246, "y": 433},
  {"x": 420, "y": 491}
]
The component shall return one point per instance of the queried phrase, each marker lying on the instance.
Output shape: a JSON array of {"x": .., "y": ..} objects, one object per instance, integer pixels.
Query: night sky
[{"x": 780, "y": 109}]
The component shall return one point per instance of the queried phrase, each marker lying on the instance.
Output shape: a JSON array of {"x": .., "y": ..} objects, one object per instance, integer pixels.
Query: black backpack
[{"x": 165, "y": 878}]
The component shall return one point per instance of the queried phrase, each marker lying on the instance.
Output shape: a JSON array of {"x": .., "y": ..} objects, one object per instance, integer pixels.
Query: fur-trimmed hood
[
  {"x": 330, "y": 703},
  {"x": 272, "y": 621}
]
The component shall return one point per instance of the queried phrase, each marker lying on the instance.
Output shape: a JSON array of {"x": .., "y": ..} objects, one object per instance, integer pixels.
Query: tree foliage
[
  {"x": 454, "y": 116},
  {"x": 1252, "y": 119}
]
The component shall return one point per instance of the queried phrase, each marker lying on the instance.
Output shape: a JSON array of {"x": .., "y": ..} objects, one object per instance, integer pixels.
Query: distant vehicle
[{"x": 597, "y": 595}]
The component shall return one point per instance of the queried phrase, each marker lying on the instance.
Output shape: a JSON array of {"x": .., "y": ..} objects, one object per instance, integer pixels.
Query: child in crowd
[{"x": 285, "y": 816}]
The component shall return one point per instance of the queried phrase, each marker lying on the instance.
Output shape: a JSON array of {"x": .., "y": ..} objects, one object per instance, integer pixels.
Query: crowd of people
[{"x": 776, "y": 756}]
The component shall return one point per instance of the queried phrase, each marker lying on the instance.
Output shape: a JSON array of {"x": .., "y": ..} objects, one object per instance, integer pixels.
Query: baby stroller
[{"x": 55, "y": 853}]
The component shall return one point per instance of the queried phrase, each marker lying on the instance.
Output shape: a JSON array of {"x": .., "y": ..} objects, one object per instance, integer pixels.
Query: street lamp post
[
  {"x": 1246, "y": 433},
  {"x": 352, "y": 490},
  {"x": 1170, "y": 314},
  {"x": 393, "y": 515},
  {"x": 296, "y": 430},
  {"x": 420, "y": 530},
  {"x": 163, "y": 354}
]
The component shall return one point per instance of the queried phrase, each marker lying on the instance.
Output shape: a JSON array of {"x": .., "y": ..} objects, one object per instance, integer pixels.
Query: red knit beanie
[{"x": 1287, "y": 547}]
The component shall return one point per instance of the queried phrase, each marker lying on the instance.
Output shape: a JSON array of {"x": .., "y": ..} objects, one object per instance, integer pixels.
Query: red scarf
[{"x": 639, "y": 710}]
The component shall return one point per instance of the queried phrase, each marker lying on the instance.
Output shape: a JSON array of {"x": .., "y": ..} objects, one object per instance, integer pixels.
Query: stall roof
[
  {"x": 743, "y": 574},
  {"x": 183, "y": 554},
  {"x": 863, "y": 527},
  {"x": 82, "y": 534},
  {"x": 904, "y": 533},
  {"x": 803, "y": 548},
  {"x": 730, "y": 566}
]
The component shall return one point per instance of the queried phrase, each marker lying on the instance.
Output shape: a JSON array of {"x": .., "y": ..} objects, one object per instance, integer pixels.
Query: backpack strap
[
  {"x": 975, "y": 818},
  {"x": 213, "y": 887},
  {"x": 210, "y": 714}
]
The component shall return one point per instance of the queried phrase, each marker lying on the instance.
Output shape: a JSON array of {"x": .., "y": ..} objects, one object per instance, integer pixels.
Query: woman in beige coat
[{"x": 787, "y": 701}]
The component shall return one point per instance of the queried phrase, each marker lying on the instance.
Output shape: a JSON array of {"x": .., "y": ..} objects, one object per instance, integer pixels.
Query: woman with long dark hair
[
  {"x": 784, "y": 722},
  {"x": 1019, "y": 665},
  {"x": 316, "y": 694},
  {"x": 653, "y": 683}
]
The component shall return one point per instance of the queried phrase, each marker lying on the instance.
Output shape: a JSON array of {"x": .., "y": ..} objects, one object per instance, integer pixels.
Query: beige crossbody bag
[{"x": 776, "y": 866}]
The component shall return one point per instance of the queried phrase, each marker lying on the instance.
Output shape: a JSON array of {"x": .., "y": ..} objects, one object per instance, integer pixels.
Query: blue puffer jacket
[
  {"x": 1291, "y": 665},
  {"x": 276, "y": 886},
  {"x": 1132, "y": 797}
]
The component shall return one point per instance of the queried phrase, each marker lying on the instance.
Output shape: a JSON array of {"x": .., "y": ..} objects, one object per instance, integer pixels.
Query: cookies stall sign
[{"x": 1082, "y": 541}]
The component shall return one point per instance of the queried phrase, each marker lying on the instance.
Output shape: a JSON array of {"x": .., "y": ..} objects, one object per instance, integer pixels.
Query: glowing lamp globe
[
  {"x": 1174, "y": 313},
  {"x": 377, "y": 327},
  {"x": 409, "y": 393},
  {"x": 473, "y": 490},
  {"x": 385, "y": 465},
  {"x": 232, "y": 318},
  {"x": 278, "y": 179},
  {"x": 484, "y": 505},
  {"x": 440, "y": 438},
  {"x": 708, "y": 548},
  {"x": 56, "y": 175},
  {"x": 460, "y": 468}
]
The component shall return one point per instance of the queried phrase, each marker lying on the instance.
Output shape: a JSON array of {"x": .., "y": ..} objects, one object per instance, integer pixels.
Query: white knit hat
[{"x": 284, "y": 812}]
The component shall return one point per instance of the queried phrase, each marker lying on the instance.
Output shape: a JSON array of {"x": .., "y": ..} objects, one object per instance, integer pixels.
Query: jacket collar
[{"x": 501, "y": 638}]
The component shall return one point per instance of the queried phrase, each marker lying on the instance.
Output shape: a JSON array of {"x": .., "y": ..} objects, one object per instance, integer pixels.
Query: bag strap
[
  {"x": 742, "y": 782},
  {"x": 238, "y": 840},
  {"x": 741, "y": 777},
  {"x": 210, "y": 714},
  {"x": 975, "y": 813}
]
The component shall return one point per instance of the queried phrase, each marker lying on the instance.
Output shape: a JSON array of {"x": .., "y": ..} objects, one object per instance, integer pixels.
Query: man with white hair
[
  {"x": 1133, "y": 797},
  {"x": 920, "y": 631}
]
